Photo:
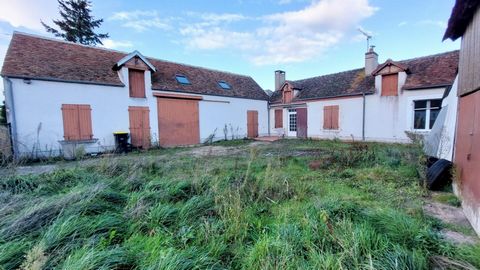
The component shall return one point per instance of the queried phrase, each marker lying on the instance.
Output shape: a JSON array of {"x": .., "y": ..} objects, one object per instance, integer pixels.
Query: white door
[{"x": 292, "y": 123}]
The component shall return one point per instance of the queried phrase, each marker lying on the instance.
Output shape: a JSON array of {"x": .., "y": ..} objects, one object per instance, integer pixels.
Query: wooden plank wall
[{"x": 469, "y": 66}]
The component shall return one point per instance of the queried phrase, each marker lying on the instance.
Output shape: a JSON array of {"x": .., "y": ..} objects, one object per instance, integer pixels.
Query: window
[
  {"x": 292, "y": 117},
  {"x": 287, "y": 96},
  {"x": 330, "y": 117},
  {"x": 224, "y": 85},
  {"x": 182, "y": 79},
  {"x": 390, "y": 85},
  {"x": 279, "y": 118},
  {"x": 77, "y": 122},
  {"x": 425, "y": 113},
  {"x": 136, "y": 81}
]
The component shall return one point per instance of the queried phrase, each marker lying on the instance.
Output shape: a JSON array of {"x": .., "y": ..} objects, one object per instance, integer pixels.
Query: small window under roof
[
  {"x": 224, "y": 85},
  {"x": 182, "y": 79}
]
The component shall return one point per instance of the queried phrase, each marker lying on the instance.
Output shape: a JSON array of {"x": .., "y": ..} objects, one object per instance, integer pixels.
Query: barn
[{"x": 464, "y": 23}]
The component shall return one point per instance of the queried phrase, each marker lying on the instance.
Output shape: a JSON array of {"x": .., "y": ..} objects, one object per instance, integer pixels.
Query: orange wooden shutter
[
  {"x": 331, "y": 117},
  {"x": 278, "y": 118},
  {"x": 136, "y": 80},
  {"x": 335, "y": 116},
  {"x": 77, "y": 122},
  {"x": 71, "y": 129},
  {"x": 85, "y": 122},
  {"x": 390, "y": 85},
  {"x": 327, "y": 117}
]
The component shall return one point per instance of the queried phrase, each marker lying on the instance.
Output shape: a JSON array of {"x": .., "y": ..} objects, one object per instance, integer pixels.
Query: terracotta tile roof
[
  {"x": 347, "y": 83},
  {"x": 430, "y": 71},
  {"x": 437, "y": 70},
  {"x": 35, "y": 57}
]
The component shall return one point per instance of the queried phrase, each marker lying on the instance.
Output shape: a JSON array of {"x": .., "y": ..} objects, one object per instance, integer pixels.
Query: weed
[{"x": 292, "y": 204}]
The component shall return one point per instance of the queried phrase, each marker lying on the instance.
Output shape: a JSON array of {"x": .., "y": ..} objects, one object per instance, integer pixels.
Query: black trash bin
[{"x": 121, "y": 142}]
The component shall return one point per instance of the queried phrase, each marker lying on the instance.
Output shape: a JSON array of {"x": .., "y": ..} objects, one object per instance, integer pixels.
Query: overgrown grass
[{"x": 358, "y": 208}]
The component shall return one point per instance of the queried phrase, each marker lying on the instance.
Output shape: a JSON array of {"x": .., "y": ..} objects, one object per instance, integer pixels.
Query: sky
[{"x": 305, "y": 38}]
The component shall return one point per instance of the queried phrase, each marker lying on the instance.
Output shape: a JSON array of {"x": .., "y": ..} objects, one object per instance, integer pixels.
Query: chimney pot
[{"x": 279, "y": 79}]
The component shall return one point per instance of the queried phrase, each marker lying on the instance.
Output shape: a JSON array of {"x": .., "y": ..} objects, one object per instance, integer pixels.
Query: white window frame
[
  {"x": 427, "y": 114},
  {"x": 290, "y": 132}
]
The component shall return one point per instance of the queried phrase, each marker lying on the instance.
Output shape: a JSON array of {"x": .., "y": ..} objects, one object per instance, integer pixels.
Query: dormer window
[
  {"x": 182, "y": 79},
  {"x": 136, "y": 81},
  {"x": 390, "y": 85},
  {"x": 287, "y": 95},
  {"x": 224, "y": 85}
]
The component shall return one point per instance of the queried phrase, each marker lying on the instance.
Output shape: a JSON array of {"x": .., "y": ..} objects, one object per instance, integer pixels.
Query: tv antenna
[{"x": 367, "y": 35}]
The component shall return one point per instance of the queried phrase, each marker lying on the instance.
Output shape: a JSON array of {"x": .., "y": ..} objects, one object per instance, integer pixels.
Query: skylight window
[
  {"x": 182, "y": 79},
  {"x": 224, "y": 85}
]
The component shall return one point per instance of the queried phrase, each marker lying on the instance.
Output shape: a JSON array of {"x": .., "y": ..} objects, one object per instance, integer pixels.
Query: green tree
[{"x": 77, "y": 24}]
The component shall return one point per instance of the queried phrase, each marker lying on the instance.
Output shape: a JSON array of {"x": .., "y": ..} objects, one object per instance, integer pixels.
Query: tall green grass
[{"x": 264, "y": 210}]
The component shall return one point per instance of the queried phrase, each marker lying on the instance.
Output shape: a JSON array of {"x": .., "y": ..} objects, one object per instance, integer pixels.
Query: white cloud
[
  {"x": 437, "y": 23},
  {"x": 400, "y": 24},
  {"x": 287, "y": 37},
  {"x": 3, "y": 51},
  {"x": 116, "y": 44},
  {"x": 28, "y": 13},
  {"x": 141, "y": 20}
]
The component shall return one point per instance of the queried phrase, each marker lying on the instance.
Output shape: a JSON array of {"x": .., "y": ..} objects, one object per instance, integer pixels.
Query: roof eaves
[
  {"x": 389, "y": 62},
  {"x": 427, "y": 86},
  {"x": 207, "y": 94},
  {"x": 336, "y": 96},
  {"x": 49, "y": 79}
]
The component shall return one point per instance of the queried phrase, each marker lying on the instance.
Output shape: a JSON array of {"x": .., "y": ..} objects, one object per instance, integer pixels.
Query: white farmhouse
[
  {"x": 61, "y": 94},
  {"x": 374, "y": 103}
]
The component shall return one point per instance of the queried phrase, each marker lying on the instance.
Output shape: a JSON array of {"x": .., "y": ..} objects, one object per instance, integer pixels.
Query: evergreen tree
[{"x": 77, "y": 25}]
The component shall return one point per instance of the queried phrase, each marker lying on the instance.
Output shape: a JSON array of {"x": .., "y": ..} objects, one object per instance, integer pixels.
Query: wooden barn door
[
  {"x": 302, "y": 123},
  {"x": 139, "y": 126},
  {"x": 467, "y": 147},
  {"x": 178, "y": 121},
  {"x": 252, "y": 124}
]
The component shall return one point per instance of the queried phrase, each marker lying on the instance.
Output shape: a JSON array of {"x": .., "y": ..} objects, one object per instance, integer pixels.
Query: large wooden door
[
  {"x": 252, "y": 124},
  {"x": 178, "y": 121},
  {"x": 139, "y": 126},
  {"x": 467, "y": 147},
  {"x": 302, "y": 123}
]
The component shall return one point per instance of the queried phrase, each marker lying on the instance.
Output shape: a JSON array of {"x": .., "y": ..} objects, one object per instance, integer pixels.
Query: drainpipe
[
  {"x": 268, "y": 118},
  {"x": 11, "y": 114},
  {"x": 363, "y": 118}
]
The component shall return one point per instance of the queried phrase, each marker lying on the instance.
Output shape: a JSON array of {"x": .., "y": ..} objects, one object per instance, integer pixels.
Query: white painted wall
[
  {"x": 386, "y": 118},
  {"x": 217, "y": 111},
  {"x": 40, "y": 123}
]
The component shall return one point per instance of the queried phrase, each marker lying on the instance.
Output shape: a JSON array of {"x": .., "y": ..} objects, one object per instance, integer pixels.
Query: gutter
[{"x": 11, "y": 119}]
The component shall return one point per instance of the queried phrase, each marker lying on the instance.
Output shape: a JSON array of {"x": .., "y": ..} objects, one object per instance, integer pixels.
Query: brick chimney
[
  {"x": 279, "y": 79},
  {"x": 371, "y": 61}
]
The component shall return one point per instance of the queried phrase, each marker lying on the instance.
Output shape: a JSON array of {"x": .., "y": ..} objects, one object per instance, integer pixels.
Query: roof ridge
[
  {"x": 16, "y": 32},
  {"x": 123, "y": 52},
  {"x": 194, "y": 66},
  {"x": 427, "y": 56},
  {"x": 330, "y": 74},
  {"x": 397, "y": 61}
]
